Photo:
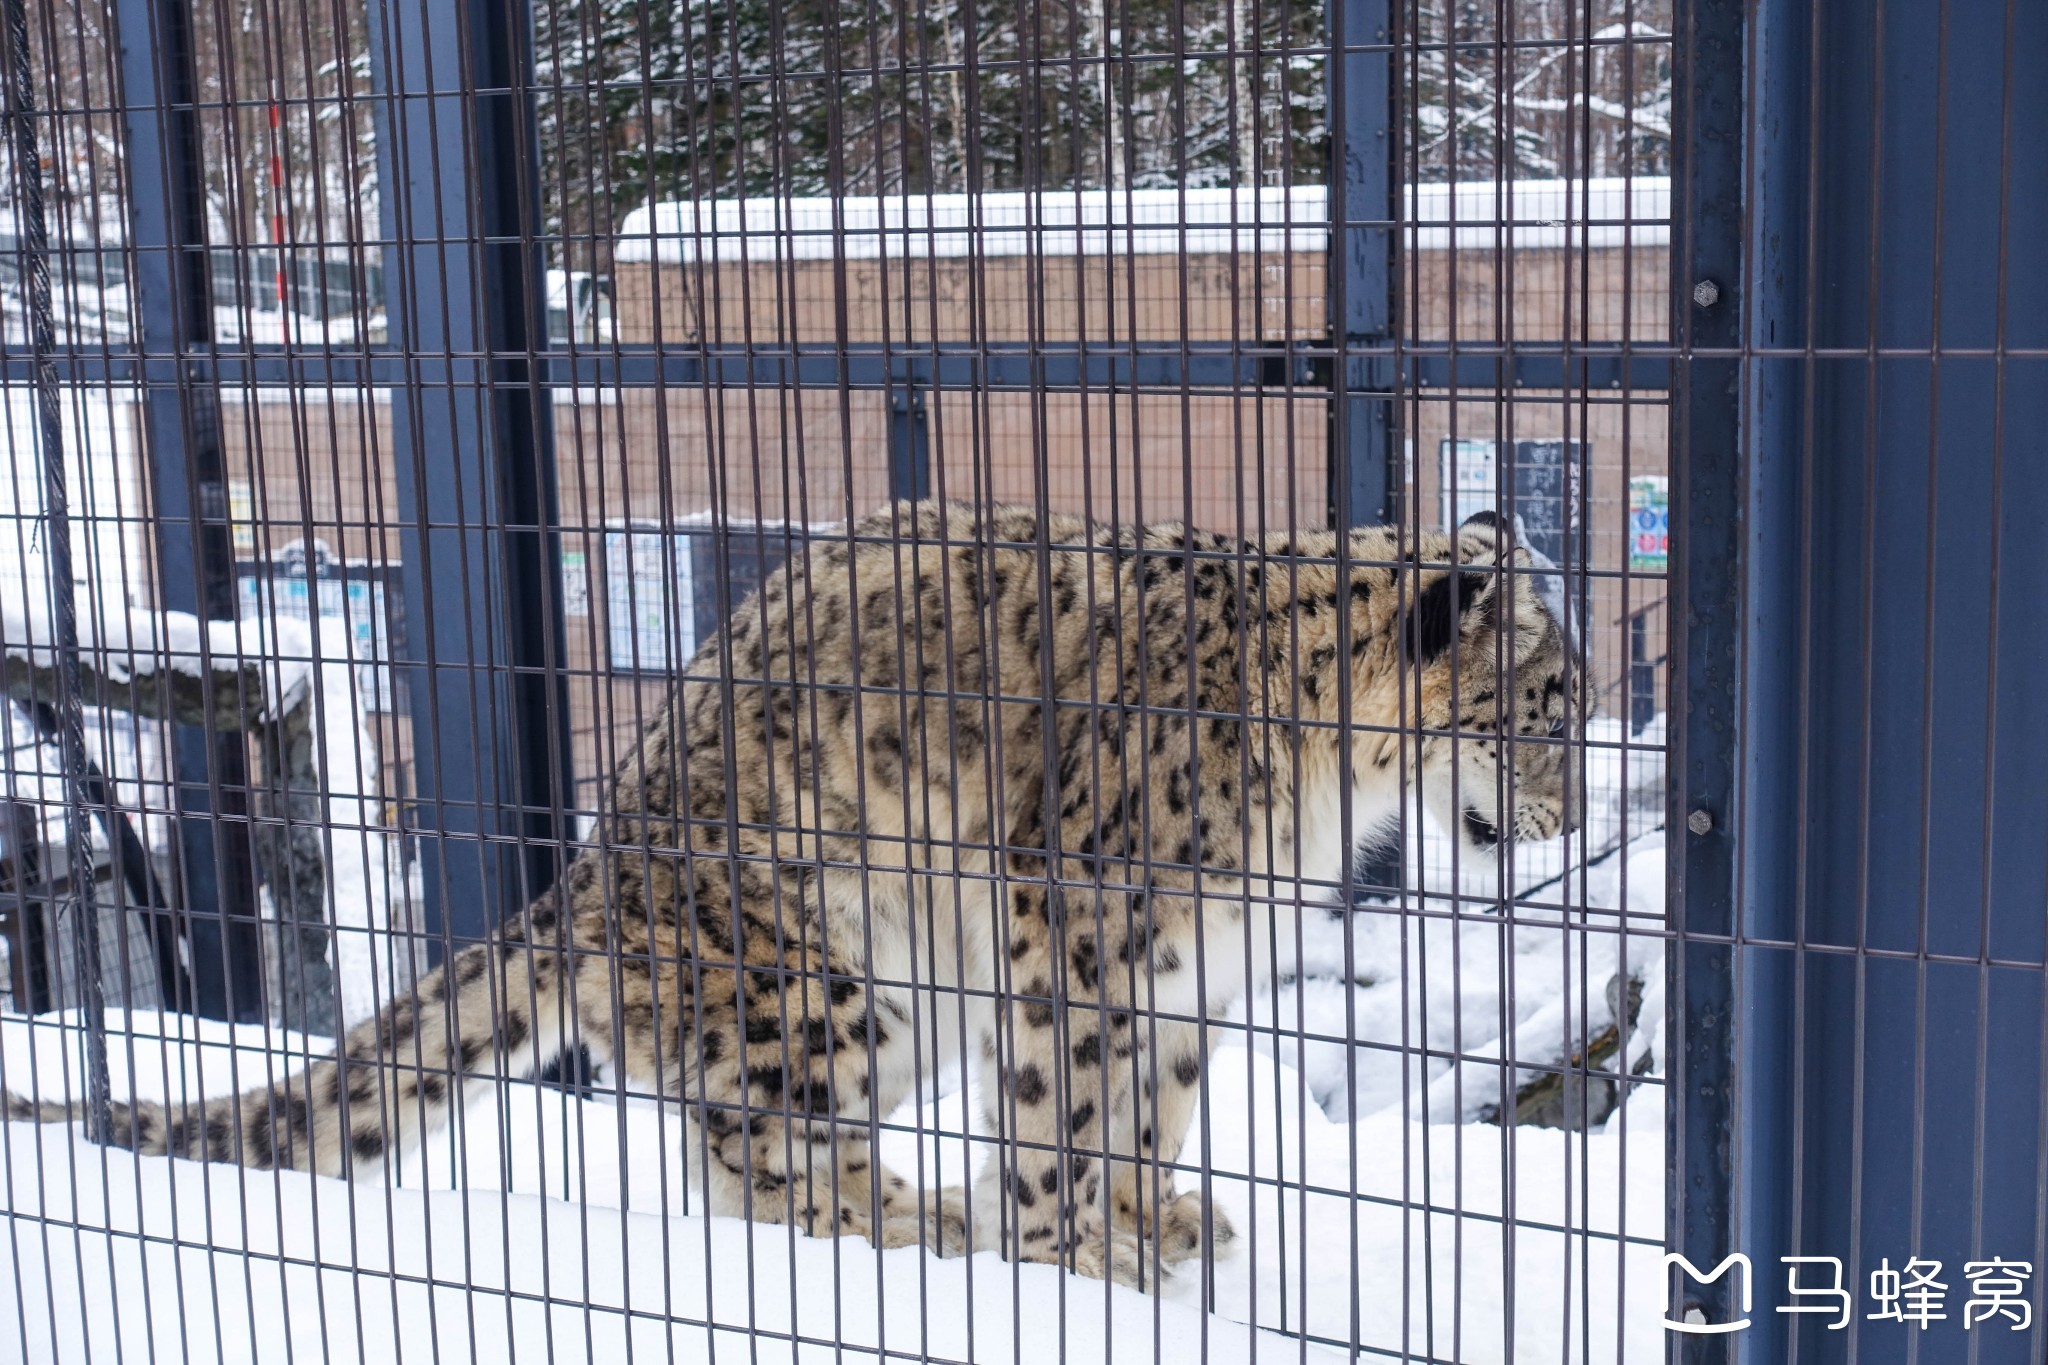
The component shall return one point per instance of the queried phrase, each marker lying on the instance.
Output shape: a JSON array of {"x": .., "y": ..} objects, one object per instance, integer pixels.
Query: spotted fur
[{"x": 823, "y": 874}]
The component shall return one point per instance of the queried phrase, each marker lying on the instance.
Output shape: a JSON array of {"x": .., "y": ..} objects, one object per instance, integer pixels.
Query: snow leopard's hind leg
[{"x": 783, "y": 1094}]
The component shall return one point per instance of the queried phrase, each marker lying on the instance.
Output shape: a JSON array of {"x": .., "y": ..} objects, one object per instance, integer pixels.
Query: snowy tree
[
  {"x": 1539, "y": 88},
  {"x": 289, "y": 133},
  {"x": 786, "y": 97},
  {"x": 708, "y": 98}
]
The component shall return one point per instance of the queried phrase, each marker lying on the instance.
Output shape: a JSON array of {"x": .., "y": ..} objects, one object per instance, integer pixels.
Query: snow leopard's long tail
[{"x": 493, "y": 1010}]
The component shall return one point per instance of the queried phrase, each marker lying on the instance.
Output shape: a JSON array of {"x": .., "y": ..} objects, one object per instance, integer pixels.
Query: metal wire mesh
[{"x": 438, "y": 384}]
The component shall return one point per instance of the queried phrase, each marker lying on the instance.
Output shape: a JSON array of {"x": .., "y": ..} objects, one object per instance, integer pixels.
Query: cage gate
[{"x": 1286, "y": 679}]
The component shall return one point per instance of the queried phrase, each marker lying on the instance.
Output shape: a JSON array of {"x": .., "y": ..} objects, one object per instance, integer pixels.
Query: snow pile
[
  {"x": 1376, "y": 1207},
  {"x": 1365, "y": 994},
  {"x": 136, "y": 647},
  {"x": 1380, "y": 1001},
  {"x": 572, "y": 1221},
  {"x": 371, "y": 954},
  {"x": 1623, "y": 776},
  {"x": 379, "y": 1271}
]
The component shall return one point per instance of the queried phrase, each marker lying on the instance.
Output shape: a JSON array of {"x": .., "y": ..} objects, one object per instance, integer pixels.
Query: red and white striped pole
[{"x": 277, "y": 206}]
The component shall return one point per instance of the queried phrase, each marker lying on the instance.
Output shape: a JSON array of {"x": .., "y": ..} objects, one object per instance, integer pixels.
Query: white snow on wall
[
  {"x": 1052, "y": 223},
  {"x": 1481, "y": 214},
  {"x": 1535, "y": 214}
]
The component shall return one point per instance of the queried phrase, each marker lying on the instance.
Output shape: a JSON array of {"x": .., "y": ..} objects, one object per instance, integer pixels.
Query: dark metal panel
[
  {"x": 188, "y": 492},
  {"x": 1706, "y": 508},
  {"x": 1919, "y": 786},
  {"x": 1592, "y": 368},
  {"x": 473, "y": 444},
  {"x": 1361, "y": 263},
  {"x": 1874, "y": 498}
]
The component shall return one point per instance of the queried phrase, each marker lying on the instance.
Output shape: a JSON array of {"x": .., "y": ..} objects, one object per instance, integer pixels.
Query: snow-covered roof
[
  {"x": 1537, "y": 213},
  {"x": 1053, "y": 223},
  {"x": 1541, "y": 213}
]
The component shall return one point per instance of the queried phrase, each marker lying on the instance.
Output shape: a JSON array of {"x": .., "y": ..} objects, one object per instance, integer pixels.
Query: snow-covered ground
[
  {"x": 546, "y": 1227},
  {"x": 1344, "y": 1133},
  {"x": 1398, "y": 1243}
]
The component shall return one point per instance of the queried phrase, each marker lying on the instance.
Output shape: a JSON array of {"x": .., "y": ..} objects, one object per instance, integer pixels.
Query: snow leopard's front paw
[{"x": 933, "y": 1219}]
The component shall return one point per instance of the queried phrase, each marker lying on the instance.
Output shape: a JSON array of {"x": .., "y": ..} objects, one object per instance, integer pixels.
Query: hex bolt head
[
  {"x": 1699, "y": 822},
  {"x": 1706, "y": 293}
]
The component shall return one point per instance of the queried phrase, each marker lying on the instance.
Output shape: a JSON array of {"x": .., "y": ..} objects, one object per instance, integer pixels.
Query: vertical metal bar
[
  {"x": 1364, "y": 476},
  {"x": 1706, "y": 507},
  {"x": 64, "y": 708},
  {"x": 188, "y": 492},
  {"x": 910, "y": 460},
  {"x": 458, "y": 156}
]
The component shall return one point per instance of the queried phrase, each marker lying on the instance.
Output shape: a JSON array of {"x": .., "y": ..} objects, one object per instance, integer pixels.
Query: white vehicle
[{"x": 580, "y": 307}]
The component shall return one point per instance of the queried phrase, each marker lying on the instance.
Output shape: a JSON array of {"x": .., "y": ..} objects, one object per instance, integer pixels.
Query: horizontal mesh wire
[{"x": 459, "y": 421}]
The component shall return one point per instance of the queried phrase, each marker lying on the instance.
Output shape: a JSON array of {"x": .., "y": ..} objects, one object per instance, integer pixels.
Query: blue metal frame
[
  {"x": 1706, "y": 514},
  {"x": 1362, "y": 369},
  {"x": 473, "y": 438},
  {"x": 1861, "y": 996},
  {"x": 1364, "y": 473},
  {"x": 1045, "y": 367},
  {"x": 910, "y": 456},
  {"x": 188, "y": 490}
]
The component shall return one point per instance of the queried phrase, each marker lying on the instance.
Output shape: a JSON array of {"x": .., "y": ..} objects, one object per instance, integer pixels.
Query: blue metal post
[
  {"x": 473, "y": 439},
  {"x": 1865, "y": 609},
  {"x": 1363, "y": 478},
  {"x": 173, "y": 323},
  {"x": 1706, "y": 509},
  {"x": 910, "y": 461}
]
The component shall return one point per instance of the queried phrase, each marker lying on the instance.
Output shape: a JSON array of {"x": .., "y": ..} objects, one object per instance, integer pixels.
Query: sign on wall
[
  {"x": 1468, "y": 477},
  {"x": 349, "y": 599},
  {"x": 1649, "y": 524},
  {"x": 649, "y": 604}
]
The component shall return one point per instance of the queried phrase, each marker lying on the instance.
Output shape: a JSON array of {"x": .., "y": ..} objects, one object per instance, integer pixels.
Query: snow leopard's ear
[
  {"x": 1467, "y": 602},
  {"x": 1485, "y": 538},
  {"x": 1462, "y": 602}
]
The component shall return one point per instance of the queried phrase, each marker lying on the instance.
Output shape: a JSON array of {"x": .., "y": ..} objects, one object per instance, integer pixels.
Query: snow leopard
[{"x": 978, "y": 789}]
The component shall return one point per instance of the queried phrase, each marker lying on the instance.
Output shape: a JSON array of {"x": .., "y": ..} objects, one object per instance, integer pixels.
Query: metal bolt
[
  {"x": 1699, "y": 822},
  {"x": 1706, "y": 293}
]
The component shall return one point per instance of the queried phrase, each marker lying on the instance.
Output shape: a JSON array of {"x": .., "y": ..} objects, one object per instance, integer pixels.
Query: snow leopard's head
[{"x": 1502, "y": 690}]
